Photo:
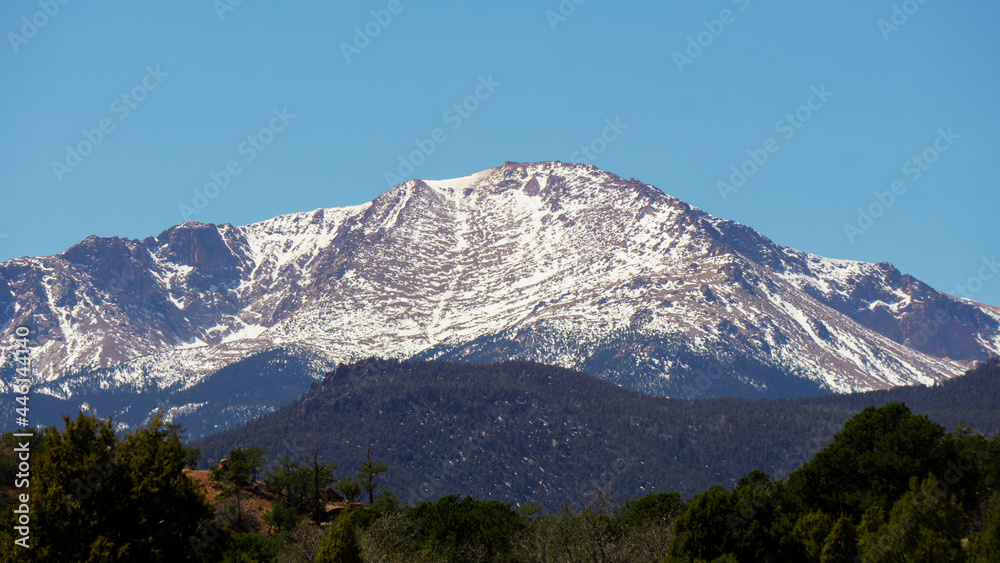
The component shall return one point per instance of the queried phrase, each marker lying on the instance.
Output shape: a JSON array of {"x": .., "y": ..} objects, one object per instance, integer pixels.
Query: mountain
[
  {"x": 520, "y": 432},
  {"x": 557, "y": 263}
]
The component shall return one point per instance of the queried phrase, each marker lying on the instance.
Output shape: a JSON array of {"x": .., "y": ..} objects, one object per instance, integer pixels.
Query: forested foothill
[{"x": 890, "y": 484}]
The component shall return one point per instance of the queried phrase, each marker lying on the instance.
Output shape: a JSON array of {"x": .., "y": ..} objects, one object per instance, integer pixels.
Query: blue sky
[{"x": 838, "y": 103}]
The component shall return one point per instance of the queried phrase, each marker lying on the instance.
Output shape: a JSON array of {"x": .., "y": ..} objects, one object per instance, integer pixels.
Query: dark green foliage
[
  {"x": 290, "y": 480},
  {"x": 8, "y": 457},
  {"x": 282, "y": 516},
  {"x": 350, "y": 488},
  {"x": 253, "y": 458},
  {"x": 848, "y": 494},
  {"x": 444, "y": 428},
  {"x": 811, "y": 532},
  {"x": 858, "y": 478},
  {"x": 249, "y": 548},
  {"x": 97, "y": 497},
  {"x": 984, "y": 545},
  {"x": 925, "y": 525},
  {"x": 302, "y": 485},
  {"x": 970, "y": 399},
  {"x": 841, "y": 545},
  {"x": 872, "y": 460},
  {"x": 341, "y": 543},
  {"x": 984, "y": 476},
  {"x": 466, "y": 529},
  {"x": 386, "y": 503},
  {"x": 320, "y": 477},
  {"x": 750, "y": 522},
  {"x": 704, "y": 530},
  {"x": 655, "y": 507},
  {"x": 239, "y": 475},
  {"x": 192, "y": 458}
]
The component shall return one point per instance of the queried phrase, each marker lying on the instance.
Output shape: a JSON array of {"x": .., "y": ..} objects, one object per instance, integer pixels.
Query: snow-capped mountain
[{"x": 559, "y": 263}]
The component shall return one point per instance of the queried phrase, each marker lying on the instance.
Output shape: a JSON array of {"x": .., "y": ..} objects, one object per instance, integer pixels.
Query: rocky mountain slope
[{"x": 557, "y": 263}]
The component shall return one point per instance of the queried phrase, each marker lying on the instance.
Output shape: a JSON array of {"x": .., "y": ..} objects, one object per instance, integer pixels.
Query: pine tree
[
  {"x": 237, "y": 477},
  {"x": 841, "y": 545},
  {"x": 924, "y": 525},
  {"x": 984, "y": 546},
  {"x": 350, "y": 488},
  {"x": 811, "y": 531},
  {"x": 341, "y": 543},
  {"x": 95, "y": 497},
  {"x": 368, "y": 471}
]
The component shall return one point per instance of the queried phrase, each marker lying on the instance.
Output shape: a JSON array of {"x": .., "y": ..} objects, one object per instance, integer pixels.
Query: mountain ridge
[
  {"x": 516, "y": 431},
  {"x": 577, "y": 266}
]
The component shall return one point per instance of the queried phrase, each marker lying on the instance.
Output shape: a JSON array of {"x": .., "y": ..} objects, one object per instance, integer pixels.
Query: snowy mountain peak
[{"x": 560, "y": 263}]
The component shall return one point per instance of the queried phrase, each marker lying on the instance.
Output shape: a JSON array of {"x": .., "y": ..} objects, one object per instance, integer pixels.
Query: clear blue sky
[{"x": 197, "y": 85}]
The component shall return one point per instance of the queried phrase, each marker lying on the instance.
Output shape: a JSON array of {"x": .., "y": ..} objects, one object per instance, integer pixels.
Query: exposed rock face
[{"x": 551, "y": 262}]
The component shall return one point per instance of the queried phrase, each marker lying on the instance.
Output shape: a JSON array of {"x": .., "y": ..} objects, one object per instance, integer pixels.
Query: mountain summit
[{"x": 558, "y": 263}]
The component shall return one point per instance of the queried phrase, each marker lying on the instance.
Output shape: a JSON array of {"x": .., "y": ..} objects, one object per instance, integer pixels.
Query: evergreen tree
[
  {"x": 94, "y": 497},
  {"x": 282, "y": 516},
  {"x": 341, "y": 543},
  {"x": 984, "y": 545},
  {"x": 466, "y": 529},
  {"x": 704, "y": 529},
  {"x": 350, "y": 488},
  {"x": 924, "y": 525},
  {"x": 249, "y": 548},
  {"x": 292, "y": 481},
  {"x": 811, "y": 531},
  {"x": 368, "y": 471},
  {"x": 841, "y": 545},
  {"x": 237, "y": 477},
  {"x": 321, "y": 477},
  {"x": 872, "y": 460},
  {"x": 254, "y": 459}
]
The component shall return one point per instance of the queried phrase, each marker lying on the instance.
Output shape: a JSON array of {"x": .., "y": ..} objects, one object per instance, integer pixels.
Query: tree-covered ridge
[
  {"x": 448, "y": 428},
  {"x": 891, "y": 486}
]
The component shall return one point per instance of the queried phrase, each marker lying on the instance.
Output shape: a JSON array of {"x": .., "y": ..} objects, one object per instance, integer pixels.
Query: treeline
[
  {"x": 891, "y": 486},
  {"x": 522, "y": 432}
]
